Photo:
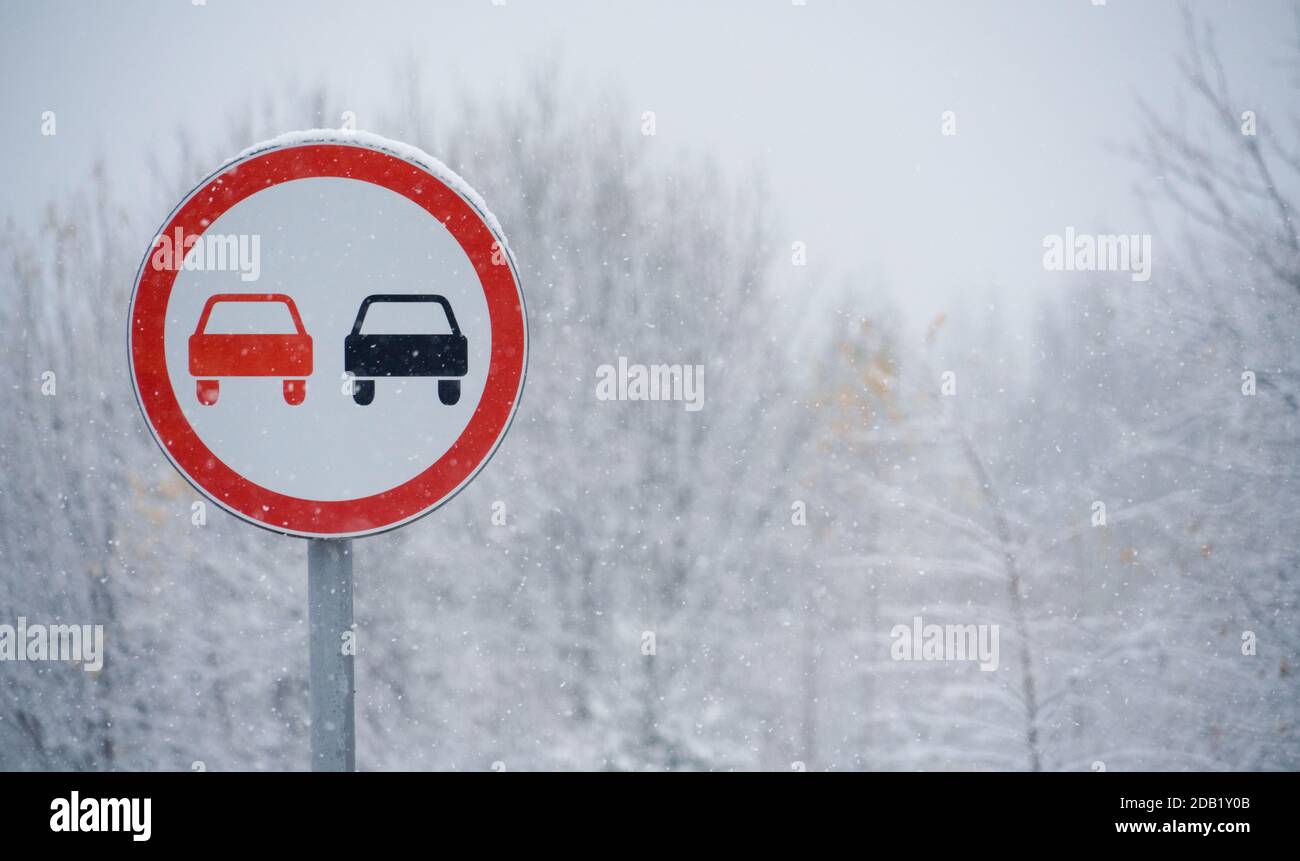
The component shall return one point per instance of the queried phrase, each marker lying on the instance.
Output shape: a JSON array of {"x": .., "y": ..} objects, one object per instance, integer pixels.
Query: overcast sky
[{"x": 839, "y": 102}]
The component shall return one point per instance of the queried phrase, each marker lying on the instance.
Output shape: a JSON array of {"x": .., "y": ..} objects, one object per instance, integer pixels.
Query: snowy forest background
[{"x": 521, "y": 644}]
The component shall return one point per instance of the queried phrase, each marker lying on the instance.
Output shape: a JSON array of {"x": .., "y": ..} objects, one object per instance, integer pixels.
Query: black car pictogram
[{"x": 420, "y": 355}]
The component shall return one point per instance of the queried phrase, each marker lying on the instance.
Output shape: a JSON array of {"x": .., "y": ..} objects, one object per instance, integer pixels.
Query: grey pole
[{"x": 329, "y": 616}]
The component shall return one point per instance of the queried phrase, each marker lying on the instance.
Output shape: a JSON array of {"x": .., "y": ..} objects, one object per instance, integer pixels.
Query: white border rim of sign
[{"x": 407, "y": 153}]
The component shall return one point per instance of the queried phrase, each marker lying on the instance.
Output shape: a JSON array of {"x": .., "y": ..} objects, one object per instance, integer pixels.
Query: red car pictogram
[{"x": 287, "y": 355}]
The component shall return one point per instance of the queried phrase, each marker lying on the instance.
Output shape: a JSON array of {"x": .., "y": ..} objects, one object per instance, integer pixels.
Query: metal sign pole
[{"x": 329, "y": 617}]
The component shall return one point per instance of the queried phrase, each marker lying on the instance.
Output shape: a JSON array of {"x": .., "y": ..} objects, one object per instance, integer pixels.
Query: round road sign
[{"x": 327, "y": 335}]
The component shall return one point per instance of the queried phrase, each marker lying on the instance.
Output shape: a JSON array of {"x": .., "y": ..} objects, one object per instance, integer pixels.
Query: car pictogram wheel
[
  {"x": 363, "y": 391},
  {"x": 208, "y": 391},
  {"x": 295, "y": 392}
]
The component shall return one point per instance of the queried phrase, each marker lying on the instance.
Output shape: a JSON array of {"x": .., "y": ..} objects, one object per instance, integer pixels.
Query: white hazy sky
[{"x": 839, "y": 102}]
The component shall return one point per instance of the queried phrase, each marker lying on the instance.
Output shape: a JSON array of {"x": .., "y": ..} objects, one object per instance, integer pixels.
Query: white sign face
[{"x": 328, "y": 336}]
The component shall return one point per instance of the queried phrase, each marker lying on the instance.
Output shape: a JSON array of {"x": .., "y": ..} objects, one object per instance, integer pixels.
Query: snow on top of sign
[{"x": 406, "y": 152}]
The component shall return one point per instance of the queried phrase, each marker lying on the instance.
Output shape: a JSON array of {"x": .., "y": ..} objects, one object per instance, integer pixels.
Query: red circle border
[{"x": 418, "y": 495}]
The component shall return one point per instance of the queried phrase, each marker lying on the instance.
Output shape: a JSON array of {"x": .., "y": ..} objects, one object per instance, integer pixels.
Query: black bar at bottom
[{"x": 928, "y": 810}]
